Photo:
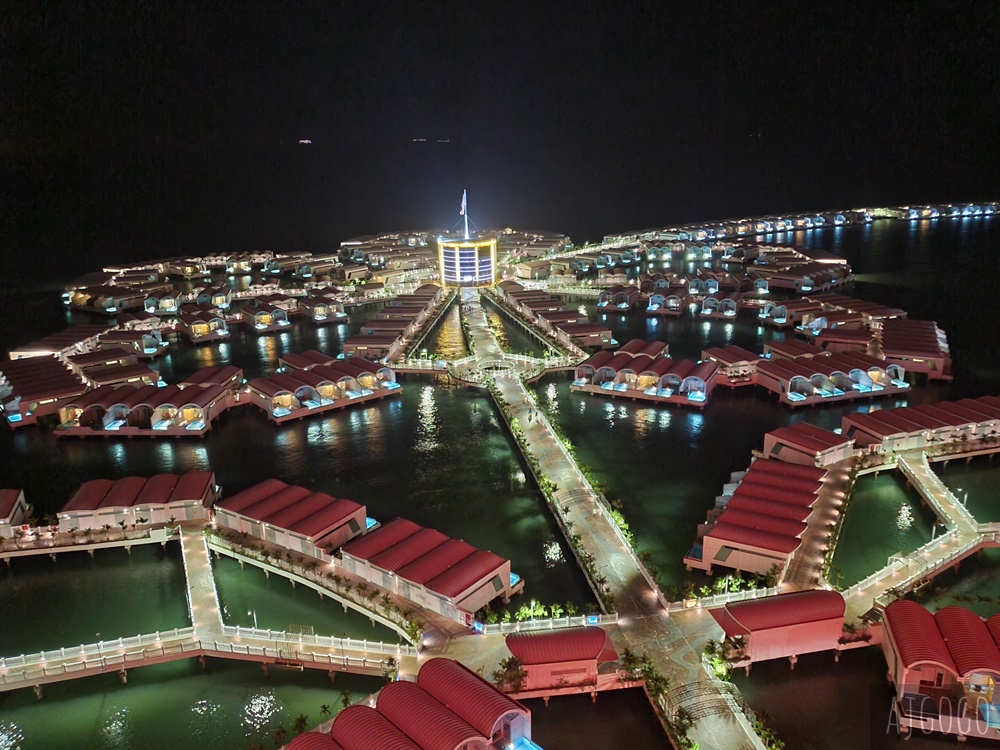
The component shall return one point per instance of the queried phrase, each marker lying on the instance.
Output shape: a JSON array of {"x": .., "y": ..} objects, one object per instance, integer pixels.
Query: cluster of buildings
[
  {"x": 394, "y": 330},
  {"x": 423, "y": 566},
  {"x": 447, "y": 707},
  {"x": 569, "y": 327},
  {"x": 154, "y": 410},
  {"x": 314, "y": 383},
  {"x": 758, "y": 520},
  {"x": 643, "y": 370},
  {"x": 156, "y": 500}
]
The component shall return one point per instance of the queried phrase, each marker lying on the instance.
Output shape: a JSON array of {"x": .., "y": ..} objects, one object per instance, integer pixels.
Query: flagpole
[{"x": 465, "y": 212}]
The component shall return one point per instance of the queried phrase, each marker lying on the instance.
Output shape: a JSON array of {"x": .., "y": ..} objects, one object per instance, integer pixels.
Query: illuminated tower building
[{"x": 467, "y": 261}]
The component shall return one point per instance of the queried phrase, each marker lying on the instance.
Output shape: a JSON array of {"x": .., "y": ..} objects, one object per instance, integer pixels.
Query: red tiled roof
[
  {"x": 313, "y": 741},
  {"x": 363, "y": 728},
  {"x": 157, "y": 489},
  {"x": 469, "y": 696},
  {"x": 435, "y": 562},
  {"x": 554, "y": 646},
  {"x": 785, "y": 609},
  {"x": 237, "y": 503},
  {"x": 384, "y": 537},
  {"x": 8, "y": 501},
  {"x": 89, "y": 495},
  {"x": 968, "y": 640},
  {"x": 418, "y": 714},
  {"x": 192, "y": 485},
  {"x": 754, "y": 538},
  {"x": 916, "y": 635},
  {"x": 408, "y": 550},
  {"x": 456, "y": 579}
]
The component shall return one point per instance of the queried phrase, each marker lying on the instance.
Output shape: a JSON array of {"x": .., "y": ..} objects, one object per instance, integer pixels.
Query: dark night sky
[{"x": 138, "y": 129}]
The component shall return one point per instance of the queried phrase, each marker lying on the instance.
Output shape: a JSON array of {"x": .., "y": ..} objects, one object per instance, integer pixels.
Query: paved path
[{"x": 674, "y": 642}]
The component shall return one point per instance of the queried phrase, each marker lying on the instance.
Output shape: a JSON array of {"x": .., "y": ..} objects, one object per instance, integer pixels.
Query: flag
[{"x": 462, "y": 211}]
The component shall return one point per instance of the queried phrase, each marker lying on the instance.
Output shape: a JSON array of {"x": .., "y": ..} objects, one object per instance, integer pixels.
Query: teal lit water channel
[{"x": 437, "y": 455}]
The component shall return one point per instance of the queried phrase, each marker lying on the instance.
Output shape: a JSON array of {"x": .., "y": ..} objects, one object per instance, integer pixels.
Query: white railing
[
  {"x": 99, "y": 649},
  {"x": 718, "y": 600},
  {"x": 300, "y": 640},
  {"x": 926, "y": 559},
  {"x": 941, "y": 487},
  {"x": 575, "y": 621}
]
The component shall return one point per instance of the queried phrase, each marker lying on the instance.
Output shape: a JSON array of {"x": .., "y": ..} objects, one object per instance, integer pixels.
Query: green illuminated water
[
  {"x": 974, "y": 483},
  {"x": 249, "y": 598},
  {"x": 78, "y": 599},
  {"x": 227, "y": 705},
  {"x": 885, "y": 517}
]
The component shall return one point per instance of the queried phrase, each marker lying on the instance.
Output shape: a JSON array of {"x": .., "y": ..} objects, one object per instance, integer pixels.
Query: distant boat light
[{"x": 305, "y": 142}]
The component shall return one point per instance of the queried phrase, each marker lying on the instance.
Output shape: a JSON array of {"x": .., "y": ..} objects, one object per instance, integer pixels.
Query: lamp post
[{"x": 254, "y": 613}]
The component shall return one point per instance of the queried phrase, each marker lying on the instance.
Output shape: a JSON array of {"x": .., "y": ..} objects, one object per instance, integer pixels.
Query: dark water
[
  {"x": 438, "y": 456},
  {"x": 974, "y": 483},
  {"x": 619, "y": 719}
]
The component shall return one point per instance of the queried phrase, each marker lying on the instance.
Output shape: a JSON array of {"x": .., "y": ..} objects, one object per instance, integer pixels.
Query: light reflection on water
[
  {"x": 117, "y": 730},
  {"x": 11, "y": 736},
  {"x": 258, "y": 710},
  {"x": 427, "y": 427}
]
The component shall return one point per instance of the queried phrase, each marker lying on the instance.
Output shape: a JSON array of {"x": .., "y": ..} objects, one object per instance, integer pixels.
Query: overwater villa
[
  {"x": 145, "y": 344},
  {"x": 944, "y": 668},
  {"x": 147, "y": 410},
  {"x": 449, "y": 707},
  {"x": 33, "y": 387},
  {"x": 918, "y": 346},
  {"x": 163, "y": 302},
  {"x": 737, "y": 366},
  {"x": 293, "y": 517},
  {"x": 187, "y": 268},
  {"x": 635, "y": 373},
  {"x": 787, "y": 314},
  {"x": 139, "y": 500},
  {"x": 834, "y": 377},
  {"x": 783, "y": 626},
  {"x": 298, "y": 393},
  {"x": 320, "y": 309},
  {"x": 204, "y": 326},
  {"x": 424, "y": 566},
  {"x": 565, "y": 661},
  {"x": 895, "y": 430},
  {"x": 805, "y": 443},
  {"x": 758, "y": 521},
  {"x": 239, "y": 265},
  {"x": 118, "y": 374},
  {"x": 13, "y": 511},
  {"x": 721, "y": 305},
  {"x": 219, "y": 297},
  {"x": 672, "y": 301},
  {"x": 101, "y": 358},
  {"x": 263, "y": 317},
  {"x": 619, "y": 297}
]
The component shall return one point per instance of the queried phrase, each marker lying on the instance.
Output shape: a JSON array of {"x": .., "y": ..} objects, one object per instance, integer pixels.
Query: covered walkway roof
[
  {"x": 797, "y": 607},
  {"x": 555, "y": 646}
]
